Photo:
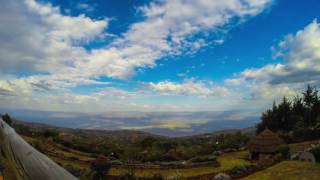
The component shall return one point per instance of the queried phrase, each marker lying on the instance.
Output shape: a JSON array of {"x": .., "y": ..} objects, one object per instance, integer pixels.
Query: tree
[
  {"x": 147, "y": 142},
  {"x": 310, "y": 96},
  {"x": 312, "y": 105},
  {"x": 7, "y": 119},
  {"x": 285, "y": 121},
  {"x": 100, "y": 167},
  {"x": 302, "y": 114}
]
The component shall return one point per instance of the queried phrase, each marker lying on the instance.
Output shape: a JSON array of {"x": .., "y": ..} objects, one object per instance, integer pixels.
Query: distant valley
[{"x": 160, "y": 123}]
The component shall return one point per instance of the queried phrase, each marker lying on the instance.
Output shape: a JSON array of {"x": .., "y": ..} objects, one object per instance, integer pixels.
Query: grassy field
[
  {"x": 9, "y": 172},
  {"x": 227, "y": 161},
  {"x": 288, "y": 170}
]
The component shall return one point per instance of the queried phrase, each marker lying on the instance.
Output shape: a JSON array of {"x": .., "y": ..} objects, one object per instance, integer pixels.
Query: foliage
[
  {"x": 316, "y": 152},
  {"x": 203, "y": 158},
  {"x": 240, "y": 169},
  {"x": 100, "y": 167},
  {"x": 298, "y": 115},
  {"x": 7, "y": 119},
  {"x": 73, "y": 170},
  {"x": 157, "y": 177},
  {"x": 38, "y": 145},
  {"x": 284, "y": 151},
  {"x": 49, "y": 133}
]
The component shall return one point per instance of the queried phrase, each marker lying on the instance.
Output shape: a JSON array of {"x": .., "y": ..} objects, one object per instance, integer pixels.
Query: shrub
[
  {"x": 37, "y": 144},
  {"x": 283, "y": 150},
  {"x": 7, "y": 119},
  {"x": 157, "y": 177},
  {"x": 240, "y": 169},
  {"x": 127, "y": 176},
  {"x": 203, "y": 159},
  {"x": 278, "y": 157},
  {"x": 73, "y": 170},
  {"x": 100, "y": 166},
  {"x": 316, "y": 152},
  {"x": 49, "y": 133}
]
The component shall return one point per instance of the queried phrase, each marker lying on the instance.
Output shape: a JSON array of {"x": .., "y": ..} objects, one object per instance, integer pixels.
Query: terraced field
[
  {"x": 80, "y": 160},
  {"x": 227, "y": 162},
  {"x": 283, "y": 170}
]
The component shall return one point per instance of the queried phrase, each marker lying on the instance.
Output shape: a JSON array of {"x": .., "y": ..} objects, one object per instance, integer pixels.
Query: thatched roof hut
[{"x": 266, "y": 142}]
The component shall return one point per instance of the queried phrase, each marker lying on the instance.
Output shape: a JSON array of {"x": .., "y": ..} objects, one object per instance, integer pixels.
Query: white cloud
[
  {"x": 37, "y": 37},
  {"x": 168, "y": 31},
  {"x": 189, "y": 87},
  {"x": 301, "y": 65},
  {"x": 301, "y": 60},
  {"x": 40, "y": 40},
  {"x": 86, "y": 7}
]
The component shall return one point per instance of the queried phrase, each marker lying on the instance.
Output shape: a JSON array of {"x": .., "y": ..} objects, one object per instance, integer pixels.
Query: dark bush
[
  {"x": 203, "y": 159},
  {"x": 50, "y": 133},
  {"x": 316, "y": 152},
  {"x": 100, "y": 167},
  {"x": 240, "y": 169},
  {"x": 7, "y": 119},
  {"x": 157, "y": 177},
  {"x": 283, "y": 150},
  {"x": 73, "y": 170}
]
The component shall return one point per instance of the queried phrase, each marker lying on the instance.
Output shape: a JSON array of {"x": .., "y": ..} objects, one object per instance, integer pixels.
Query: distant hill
[
  {"x": 122, "y": 135},
  {"x": 183, "y": 123},
  {"x": 114, "y": 135}
]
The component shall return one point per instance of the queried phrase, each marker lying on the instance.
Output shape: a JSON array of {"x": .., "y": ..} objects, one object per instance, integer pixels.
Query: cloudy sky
[{"x": 156, "y": 55}]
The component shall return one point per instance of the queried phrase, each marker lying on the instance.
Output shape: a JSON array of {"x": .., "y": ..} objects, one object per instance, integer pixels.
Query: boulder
[
  {"x": 307, "y": 156},
  {"x": 294, "y": 156},
  {"x": 222, "y": 176}
]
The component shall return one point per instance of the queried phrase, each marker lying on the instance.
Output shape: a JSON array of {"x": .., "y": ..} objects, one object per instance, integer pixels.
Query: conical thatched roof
[{"x": 266, "y": 142}]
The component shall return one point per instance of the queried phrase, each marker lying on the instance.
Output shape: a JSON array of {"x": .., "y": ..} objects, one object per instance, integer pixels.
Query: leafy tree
[
  {"x": 100, "y": 167},
  {"x": 147, "y": 142},
  {"x": 284, "y": 151},
  {"x": 7, "y": 119},
  {"x": 50, "y": 133},
  {"x": 311, "y": 101},
  {"x": 316, "y": 152}
]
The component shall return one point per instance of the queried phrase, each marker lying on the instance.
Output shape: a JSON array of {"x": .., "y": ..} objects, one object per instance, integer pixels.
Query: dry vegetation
[{"x": 289, "y": 170}]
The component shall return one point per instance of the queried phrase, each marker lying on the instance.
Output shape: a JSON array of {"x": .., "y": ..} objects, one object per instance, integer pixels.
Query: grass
[
  {"x": 70, "y": 153},
  {"x": 227, "y": 162},
  {"x": 9, "y": 171},
  {"x": 65, "y": 162},
  {"x": 59, "y": 153},
  {"x": 289, "y": 170}
]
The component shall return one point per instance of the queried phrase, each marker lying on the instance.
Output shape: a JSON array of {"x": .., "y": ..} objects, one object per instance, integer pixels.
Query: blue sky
[{"x": 156, "y": 55}]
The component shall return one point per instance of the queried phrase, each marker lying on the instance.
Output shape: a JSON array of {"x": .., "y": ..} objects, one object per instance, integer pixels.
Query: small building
[{"x": 264, "y": 145}]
